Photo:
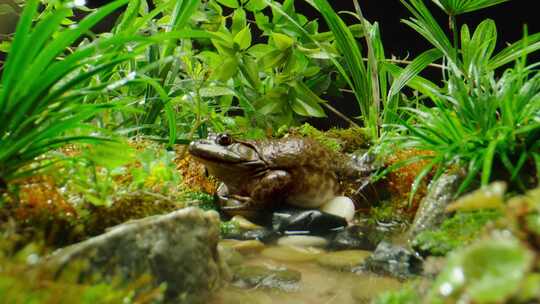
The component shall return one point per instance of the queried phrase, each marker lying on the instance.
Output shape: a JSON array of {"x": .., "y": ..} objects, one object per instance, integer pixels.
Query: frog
[{"x": 265, "y": 174}]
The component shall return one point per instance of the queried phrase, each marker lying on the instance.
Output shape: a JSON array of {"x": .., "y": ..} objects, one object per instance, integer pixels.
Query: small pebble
[
  {"x": 340, "y": 206},
  {"x": 245, "y": 224},
  {"x": 343, "y": 260},
  {"x": 244, "y": 247},
  {"x": 302, "y": 241},
  {"x": 292, "y": 254}
]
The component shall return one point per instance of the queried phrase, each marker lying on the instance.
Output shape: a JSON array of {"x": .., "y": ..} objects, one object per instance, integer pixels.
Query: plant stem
[
  {"x": 341, "y": 115},
  {"x": 452, "y": 22}
]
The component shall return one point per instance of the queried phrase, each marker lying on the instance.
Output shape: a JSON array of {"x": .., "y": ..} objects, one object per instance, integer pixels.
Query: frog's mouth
[{"x": 235, "y": 153}]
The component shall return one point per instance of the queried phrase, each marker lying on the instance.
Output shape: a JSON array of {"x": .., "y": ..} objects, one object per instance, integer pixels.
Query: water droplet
[{"x": 446, "y": 289}]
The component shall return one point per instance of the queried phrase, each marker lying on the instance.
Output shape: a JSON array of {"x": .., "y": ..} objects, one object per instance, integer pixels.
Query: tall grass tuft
[{"x": 46, "y": 81}]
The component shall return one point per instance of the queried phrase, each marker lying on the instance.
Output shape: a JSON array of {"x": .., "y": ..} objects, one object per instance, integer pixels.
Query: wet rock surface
[
  {"x": 393, "y": 260},
  {"x": 179, "y": 249},
  {"x": 299, "y": 221},
  {"x": 432, "y": 210},
  {"x": 344, "y": 260},
  {"x": 264, "y": 235},
  {"x": 254, "y": 276},
  {"x": 292, "y": 254},
  {"x": 357, "y": 237},
  {"x": 303, "y": 241}
]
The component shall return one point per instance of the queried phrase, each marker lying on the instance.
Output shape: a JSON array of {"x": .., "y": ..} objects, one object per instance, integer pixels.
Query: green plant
[
  {"x": 45, "y": 82},
  {"x": 215, "y": 68},
  {"x": 370, "y": 77},
  {"x": 278, "y": 80},
  {"x": 483, "y": 120}
]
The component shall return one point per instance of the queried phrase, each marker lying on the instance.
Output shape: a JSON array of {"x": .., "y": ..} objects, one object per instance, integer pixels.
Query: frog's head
[{"x": 227, "y": 158}]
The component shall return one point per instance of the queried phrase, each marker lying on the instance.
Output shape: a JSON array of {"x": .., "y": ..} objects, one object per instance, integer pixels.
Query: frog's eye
[{"x": 224, "y": 139}]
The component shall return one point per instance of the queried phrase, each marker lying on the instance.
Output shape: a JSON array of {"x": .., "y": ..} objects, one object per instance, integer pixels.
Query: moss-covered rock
[
  {"x": 179, "y": 249},
  {"x": 455, "y": 232}
]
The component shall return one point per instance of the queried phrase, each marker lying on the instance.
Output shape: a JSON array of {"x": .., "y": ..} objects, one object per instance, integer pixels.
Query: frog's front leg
[
  {"x": 268, "y": 191},
  {"x": 231, "y": 202},
  {"x": 272, "y": 189}
]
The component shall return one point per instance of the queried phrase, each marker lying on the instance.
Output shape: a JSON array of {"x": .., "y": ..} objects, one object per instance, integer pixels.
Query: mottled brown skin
[{"x": 263, "y": 174}]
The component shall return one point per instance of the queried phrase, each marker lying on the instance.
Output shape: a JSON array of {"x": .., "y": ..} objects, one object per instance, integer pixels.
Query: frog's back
[{"x": 297, "y": 152}]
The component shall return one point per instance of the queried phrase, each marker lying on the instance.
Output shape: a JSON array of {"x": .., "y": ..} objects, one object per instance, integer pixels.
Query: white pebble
[
  {"x": 340, "y": 206},
  {"x": 302, "y": 241}
]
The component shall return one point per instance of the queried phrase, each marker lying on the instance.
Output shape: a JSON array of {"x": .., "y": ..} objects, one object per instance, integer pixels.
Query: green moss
[
  {"x": 202, "y": 200},
  {"x": 455, "y": 232},
  {"x": 386, "y": 211},
  {"x": 406, "y": 295},
  {"x": 309, "y": 131},
  {"x": 229, "y": 228}
]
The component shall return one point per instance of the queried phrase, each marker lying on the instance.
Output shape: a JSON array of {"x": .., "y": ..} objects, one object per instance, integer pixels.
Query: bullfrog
[{"x": 264, "y": 174}]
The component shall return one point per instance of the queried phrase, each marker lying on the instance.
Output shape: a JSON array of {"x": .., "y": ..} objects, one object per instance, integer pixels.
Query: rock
[
  {"x": 340, "y": 206},
  {"x": 357, "y": 237},
  {"x": 244, "y": 224},
  {"x": 488, "y": 197},
  {"x": 394, "y": 260},
  {"x": 233, "y": 295},
  {"x": 370, "y": 287},
  {"x": 433, "y": 266},
  {"x": 229, "y": 256},
  {"x": 250, "y": 276},
  {"x": 432, "y": 210},
  {"x": 179, "y": 249},
  {"x": 244, "y": 247},
  {"x": 343, "y": 260},
  {"x": 263, "y": 235},
  {"x": 301, "y": 221},
  {"x": 302, "y": 241},
  {"x": 292, "y": 254}
]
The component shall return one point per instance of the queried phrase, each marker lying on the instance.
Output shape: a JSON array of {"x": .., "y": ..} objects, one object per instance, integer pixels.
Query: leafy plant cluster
[{"x": 263, "y": 60}]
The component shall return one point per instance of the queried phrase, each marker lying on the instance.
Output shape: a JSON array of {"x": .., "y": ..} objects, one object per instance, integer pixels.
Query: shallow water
[{"x": 318, "y": 285}]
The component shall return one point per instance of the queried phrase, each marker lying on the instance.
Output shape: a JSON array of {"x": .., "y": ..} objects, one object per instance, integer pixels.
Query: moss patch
[{"x": 455, "y": 232}]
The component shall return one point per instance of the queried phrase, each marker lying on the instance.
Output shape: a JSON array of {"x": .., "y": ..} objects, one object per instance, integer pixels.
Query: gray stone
[
  {"x": 393, "y": 260},
  {"x": 179, "y": 249},
  {"x": 357, "y": 237},
  {"x": 431, "y": 212},
  {"x": 251, "y": 276}
]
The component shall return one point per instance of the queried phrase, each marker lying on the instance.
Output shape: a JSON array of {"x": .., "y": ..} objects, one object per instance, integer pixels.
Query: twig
[{"x": 338, "y": 113}]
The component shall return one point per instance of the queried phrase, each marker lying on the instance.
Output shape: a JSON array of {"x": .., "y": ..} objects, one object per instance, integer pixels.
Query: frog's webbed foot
[{"x": 234, "y": 204}]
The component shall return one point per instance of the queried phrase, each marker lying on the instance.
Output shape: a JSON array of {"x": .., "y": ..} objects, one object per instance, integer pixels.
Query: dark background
[{"x": 398, "y": 38}]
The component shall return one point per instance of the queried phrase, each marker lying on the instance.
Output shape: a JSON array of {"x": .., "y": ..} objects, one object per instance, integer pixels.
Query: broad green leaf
[
  {"x": 307, "y": 108},
  {"x": 214, "y": 91},
  {"x": 243, "y": 38},
  {"x": 229, "y": 3},
  {"x": 227, "y": 70},
  {"x": 274, "y": 59},
  {"x": 239, "y": 21},
  {"x": 250, "y": 70},
  {"x": 282, "y": 41},
  {"x": 271, "y": 107},
  {"x": 255, "y": 5}
]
